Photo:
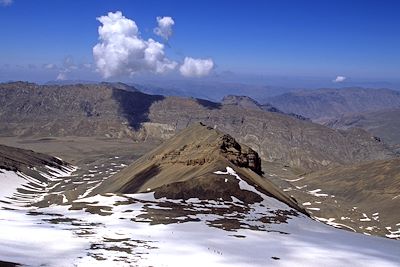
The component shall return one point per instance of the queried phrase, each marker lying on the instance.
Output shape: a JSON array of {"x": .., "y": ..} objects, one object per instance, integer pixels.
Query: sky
[{"x": 329, "y": 41}]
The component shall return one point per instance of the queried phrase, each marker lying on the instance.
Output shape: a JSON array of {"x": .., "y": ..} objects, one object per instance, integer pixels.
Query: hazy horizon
[{"x": 299, "y": 44}]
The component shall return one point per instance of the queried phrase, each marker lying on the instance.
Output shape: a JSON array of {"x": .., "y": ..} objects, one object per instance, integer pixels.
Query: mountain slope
[
  {"x": 363, "y": 198},
  {"x": 246, "y": 102},
  {"x": 323, "y": 104},
  {"x": 26, "y": 176},
  {"x": 16, "y": 159},
  {"x": 72, "y": 110},
  {"x": 384, "y": 124},
  {"x": 183, "y": 167}
]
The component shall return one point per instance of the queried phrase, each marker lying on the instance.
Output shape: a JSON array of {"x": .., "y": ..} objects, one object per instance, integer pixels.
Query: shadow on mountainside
[
  {"x": 135, "y": 106},
  {"x": 208, "y": 104},
  {"x": 8, "y": 264}
]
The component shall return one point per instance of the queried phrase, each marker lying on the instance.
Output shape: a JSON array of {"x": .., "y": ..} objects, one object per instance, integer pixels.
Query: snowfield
[{"x": 139, "y": 230}]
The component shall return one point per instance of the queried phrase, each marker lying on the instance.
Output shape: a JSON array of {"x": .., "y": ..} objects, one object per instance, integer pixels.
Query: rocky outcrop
[
  {"x": 224, "y": 145},
  {"x": 242, "y": 157},
  {"x": 241, "y": 101}
]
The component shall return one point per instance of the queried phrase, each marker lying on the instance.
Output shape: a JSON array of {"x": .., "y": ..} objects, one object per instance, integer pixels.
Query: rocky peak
[
  {"x": 241, "y": 101},
  {"x": 120, "y": 85},
  {"x": 203, "y": 145},
  {"x": 242, "y": 157}
]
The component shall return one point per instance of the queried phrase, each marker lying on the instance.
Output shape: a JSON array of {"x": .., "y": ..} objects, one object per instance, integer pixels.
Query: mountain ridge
[
  {"x": 384, "y": 124},
  {"x": 104, "y": 111},
  {"x": 322, "y": 104}
]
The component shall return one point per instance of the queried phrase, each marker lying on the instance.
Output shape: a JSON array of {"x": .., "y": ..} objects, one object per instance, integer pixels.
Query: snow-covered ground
[
  {"x": 19, "y": 189},
  {"x": 139, "y": 230}
]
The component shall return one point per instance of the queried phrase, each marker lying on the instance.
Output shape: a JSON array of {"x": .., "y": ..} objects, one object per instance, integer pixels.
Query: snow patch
[
  {"x": 294, "y": 180},
  {"x": 316, "y": 194}
]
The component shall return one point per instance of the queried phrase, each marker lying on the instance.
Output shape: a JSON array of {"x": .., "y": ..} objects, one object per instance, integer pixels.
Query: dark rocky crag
[{"x": 245, "y": 157}]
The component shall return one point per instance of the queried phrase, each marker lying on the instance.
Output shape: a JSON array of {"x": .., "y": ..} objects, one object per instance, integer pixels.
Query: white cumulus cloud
[
  {"x": 62, "y": 76},
  {"x": 339, "y": 79},
  {"x": 193, "y": 67},
  {"x": 67, "y": 67},
  {"x": 164, "y": 28},
  {"x": 122, "y": 51},
  {"x": 6, "y": 2},
  {"x": 50, "y": 66}
]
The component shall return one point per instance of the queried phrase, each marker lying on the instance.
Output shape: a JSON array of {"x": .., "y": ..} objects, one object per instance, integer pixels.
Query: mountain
[
  {"x": 246, "y": 102},
  {"x": 163, "y": 90},
  {"x": 212, "y": 90},
  {"x": 322, "y": 104},
  {"x": 185, "y": 166},
  {"x": 72, "y": 110},
  {"x": 199, "y": 192},
  {"x": 243, "y": 102},
  {"x": 384, "y": 124},
  {"x": 105, "y": 111},
  {"x": 275, "y": 136},
  {"x": 66, "y": 82}
]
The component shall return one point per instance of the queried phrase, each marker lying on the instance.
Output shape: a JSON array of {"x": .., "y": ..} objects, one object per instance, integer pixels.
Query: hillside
[
  {"x": 323, "y": 104},
  {"x": 184, "y": 167},
  {"x": 16, "y": 159},
  {"x": 26, "y": 176},
  {"x": 246, "y": 102},
  {"x": 104, "y": 111},
  {"x": 71, "y": 110},
  {"x": 361, "y": 197},
  {"x": 276, "y": 137},
  {"x": 384, "y": 124}
]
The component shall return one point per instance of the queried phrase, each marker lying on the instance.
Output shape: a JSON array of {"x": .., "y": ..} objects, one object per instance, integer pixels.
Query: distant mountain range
[
  {"x": 210, "y": 90},
  {"x": 324, "y": 104}
]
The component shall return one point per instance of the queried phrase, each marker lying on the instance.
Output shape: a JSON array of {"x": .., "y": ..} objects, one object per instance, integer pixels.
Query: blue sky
[{"x": 319, "y": 39}]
